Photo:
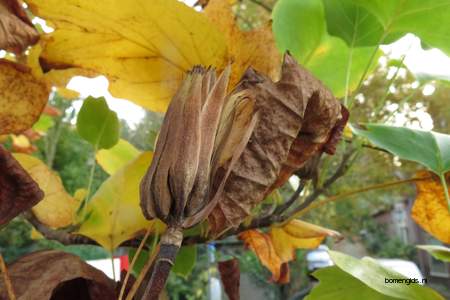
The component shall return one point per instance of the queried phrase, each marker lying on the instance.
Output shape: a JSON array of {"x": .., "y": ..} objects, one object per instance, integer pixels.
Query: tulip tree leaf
[
  {"x": 111, "y": 160},
  {"x": 351, "y": 278},
  {"x": 429, "y": 148},
  {"x": 428, "y": 19},
  {"x": 334, "y": 283},
  {"x": 438, "y": 252},
  {"x": 353, "y": 23},
  {"x": 300, "y": 27},
  {"x": 97, "y": 124}
]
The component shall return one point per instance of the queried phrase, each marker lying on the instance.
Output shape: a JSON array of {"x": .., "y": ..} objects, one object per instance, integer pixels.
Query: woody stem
[{"x": 169, "y": 245}]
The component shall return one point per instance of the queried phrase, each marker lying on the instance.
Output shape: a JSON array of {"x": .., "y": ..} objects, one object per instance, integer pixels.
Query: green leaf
[
  {"x": 353, "y": 23},
  {"x": 334, "y": 283},
  {"x": 428, "y": 19},
  {"x": 429, "y": 148},
  {"x": 299, "y": 26},
  {"x": 185, "y": 261},
  {"x": 97, "y": 124},
  {"x": 373, "y": 275},
  {"x": 44, "y": 123},
  {"x": 438, "y": 252},
  {"x": 116, "y": 157}
]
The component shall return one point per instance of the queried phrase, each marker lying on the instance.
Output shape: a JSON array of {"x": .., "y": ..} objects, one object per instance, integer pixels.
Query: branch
[
  {"x": 286, "y": 205},
  {"x": 60, "y": 235},
  {"x": 359, "y": 191},
  {"x": 262, "y": 4}
]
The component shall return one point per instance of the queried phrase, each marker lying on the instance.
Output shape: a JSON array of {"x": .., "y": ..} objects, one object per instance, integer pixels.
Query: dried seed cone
[{"x": 177, "y": 186}]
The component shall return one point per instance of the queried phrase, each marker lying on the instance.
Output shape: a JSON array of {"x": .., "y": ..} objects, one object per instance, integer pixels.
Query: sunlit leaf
[
  {"x": 297, "y": 234},
  {"x": 255, "y": 48},
  {"x": 428, "y": 19},
  {"x": 113, "y": 159},
  {"x": 334, "y": 283},
  {"x": 97, "y": 124},
  {"x": 438, "y": 252},
  {"x": 143, "y": 47},
  {"x": 373, "y": 275},
  {"x": 114, "y": 211},
  {"x": 57, "y": 209},
  {"x": 430, "y": 208},
  {"x": 261, "y": 244},
  {"x": 22, "y": 97},
  {"x": 353, "y": 23},
  {"x": 300, "y": 27}
]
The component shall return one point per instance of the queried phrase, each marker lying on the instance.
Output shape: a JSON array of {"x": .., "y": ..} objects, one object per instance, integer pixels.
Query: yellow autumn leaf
[
  {"x": 20, "y": 141},
  {"x": 57, "y": 209},
  {"x": 261, "y": 244},
  {"x": 116, "y": 157},
  {"x": 143, "y": 47},
  {"x": 297, "y": 235},
  {"x": 22, "y": 97},
  {"x": 114, "y": 212},
  {"x": 255, "y": 48},
  {"x": 430, "y": 209}
]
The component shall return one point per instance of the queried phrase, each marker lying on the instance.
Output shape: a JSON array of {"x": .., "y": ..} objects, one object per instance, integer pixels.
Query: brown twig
[
  {"x": 6, "y": 279},
  {"x": 168, "y": 248}
]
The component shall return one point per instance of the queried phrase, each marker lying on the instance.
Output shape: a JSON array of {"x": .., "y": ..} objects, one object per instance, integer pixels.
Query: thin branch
[
  {"x": 6, "y": 279},
  {"x": 359, "y": 191},
  {"x": 286, "y": 205},
  {"x": 60, "y": 235},
  {"x": 262, "y": 4}
]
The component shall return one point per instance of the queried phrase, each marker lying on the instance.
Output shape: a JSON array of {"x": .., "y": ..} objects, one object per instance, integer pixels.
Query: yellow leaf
[
  {"x": 22, "y": 97},
  {"x": 430, "y": 208},
  {"x": 20, "y": 141},
  {"x": 57, "y": 209},
  {"x": 254, "y": 48},
  {"x": 261, "y": 244},
  {"x": 114, "y": 212},
  {"x": 297, "y": 235},
  {"x": 116, "y": 157},
  {"x": 79, "y": 195},
  {"x": 143, "y": 47}
]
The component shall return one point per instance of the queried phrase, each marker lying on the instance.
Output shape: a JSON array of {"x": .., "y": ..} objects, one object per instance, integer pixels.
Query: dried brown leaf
[
  {"x": 16, "y": 30},
  {"x": 56, "y": 275},
  {"x": 18, "y": 191},
  {"x": 230, "y": 276},
  {"x": 298, "y": 115},
  {"x": 22, "y": 97}
]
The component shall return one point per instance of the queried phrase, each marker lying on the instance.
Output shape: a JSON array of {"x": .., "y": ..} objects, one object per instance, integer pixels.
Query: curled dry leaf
[
  {"x": 57, "y": 209},
  {"x": 22, "y": 97},
  {"x": 18, "y": 191},
  {"x": 277, "y": 248},
  {"x": 56, "y": 275},
  {"x": 299, "y": 119},
  {"x": 16, "y": 30},
  {"x": 298, "y": 234},
  {"x": 230, "y": 276},
  {"x": 261, "y": 244},
  {"x": 430, "y": 208}
]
